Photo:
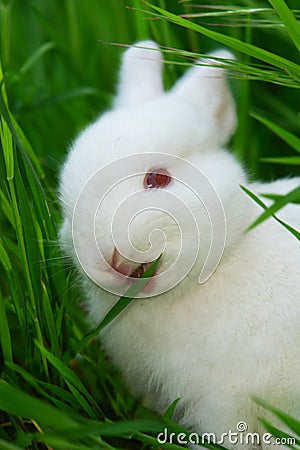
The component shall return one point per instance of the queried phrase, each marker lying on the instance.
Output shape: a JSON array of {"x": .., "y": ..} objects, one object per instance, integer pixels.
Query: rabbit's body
[{"x": 217, "y": 344}]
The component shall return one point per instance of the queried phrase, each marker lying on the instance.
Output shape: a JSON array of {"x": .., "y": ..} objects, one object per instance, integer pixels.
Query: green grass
[{"x": 57, "y": 389}]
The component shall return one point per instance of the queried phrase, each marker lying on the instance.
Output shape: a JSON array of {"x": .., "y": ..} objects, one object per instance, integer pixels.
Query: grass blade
[
  {"x": 130, "y": 295},
  {"x": 5, "y": 337},
  {"x": 44, "y": 48},
  {"x": 81, "y": 393},
  {"x": 277, "y": 205},
  {"x": 18, "y": 135},
  {"x": 276, "y": 197},
  {"x": 293, "y": 196},
  {"x": 59, "y": 443},
  {"x": 4, "y": 258},
  {"x": 14, "y": 401},
  {"x": 276, "y": 432},
  {"x": 292, "y": 423},
  {"x": 113, "y": 428},
  {"x": 236, "y": 44},
  {"x": 121, "y": 304},
  {"x": 287, "y": 17},
  {"x": 292, "y": 160},
  {"x": 8, "y": 446},
  {"x": 288, "y": 137},
  {"x": 168, "y": 414}
]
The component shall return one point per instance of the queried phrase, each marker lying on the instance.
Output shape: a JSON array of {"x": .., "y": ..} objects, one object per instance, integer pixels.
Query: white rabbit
[{"x": 217, "y": 344}]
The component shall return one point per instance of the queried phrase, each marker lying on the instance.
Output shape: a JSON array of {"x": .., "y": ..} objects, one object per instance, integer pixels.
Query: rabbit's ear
[
  {"x": 205, "y": 86},
  {"x": 140, "y": 75}
]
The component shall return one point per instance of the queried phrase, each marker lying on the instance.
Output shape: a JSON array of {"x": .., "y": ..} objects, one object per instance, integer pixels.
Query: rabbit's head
[{"x": 149, "y": 177}]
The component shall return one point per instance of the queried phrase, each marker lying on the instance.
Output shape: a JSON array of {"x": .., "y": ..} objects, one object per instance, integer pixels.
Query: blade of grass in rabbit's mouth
[
  {"x": 140, "y": 270},
  {"x": 145, "y": 273},
  {"x": 129, "y": 268}
]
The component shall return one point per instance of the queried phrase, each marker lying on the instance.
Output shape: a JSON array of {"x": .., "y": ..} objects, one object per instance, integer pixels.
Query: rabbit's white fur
[{"x": 238, "y": 335}]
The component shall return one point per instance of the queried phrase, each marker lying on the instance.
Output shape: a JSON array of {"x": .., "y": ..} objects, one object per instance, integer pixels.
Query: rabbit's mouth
[
  {"x": 140, "y": 270},
  {"x": 150, "y": 281},
  {"x": 128, "y": 268}
]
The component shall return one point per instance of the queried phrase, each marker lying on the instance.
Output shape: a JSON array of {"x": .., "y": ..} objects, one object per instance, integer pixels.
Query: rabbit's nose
[{"x": 121, "y": 264}]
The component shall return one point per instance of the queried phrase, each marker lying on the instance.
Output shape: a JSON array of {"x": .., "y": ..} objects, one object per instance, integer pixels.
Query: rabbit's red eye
[{"x": 157, "y": 178}]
